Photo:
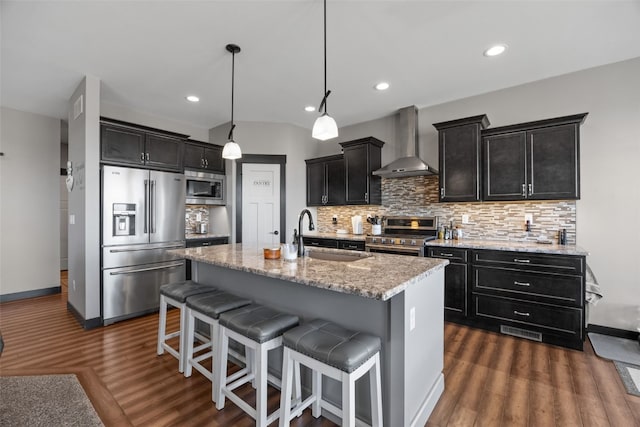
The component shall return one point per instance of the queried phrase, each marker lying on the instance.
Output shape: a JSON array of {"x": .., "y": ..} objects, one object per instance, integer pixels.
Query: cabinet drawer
[
  {"x": 459, "y": 255},
  {"x": 553, "y": 288},
  {"x": 553, "y": 318},
  {"x": 352, "y": 245},
  {"x": 531, "y": 261},
  {"x": 320, "y": 242}
]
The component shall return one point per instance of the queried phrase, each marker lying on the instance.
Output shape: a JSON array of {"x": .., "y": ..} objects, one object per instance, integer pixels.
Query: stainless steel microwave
[{"x": 204, "y": 188}]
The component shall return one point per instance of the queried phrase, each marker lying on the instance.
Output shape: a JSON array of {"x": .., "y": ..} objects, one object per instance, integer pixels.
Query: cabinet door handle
[
  {"x": 520, "y": 314},
  {"x": 142, "y": 157},
  {"x": 206, "y": 163},
  {"x": 443, "y": 254},
  {"x": 521, "y": 283},
  {"x": 521, "y": 260},
  {"x": 530, "y": 189},
  {"x": 202, "y": 163},
  {"x": 147, "y": 156},
  {"x": 366, "y": 197},
  {"x": 524, "y": 190},
  {"x": 442, "y": 192}
]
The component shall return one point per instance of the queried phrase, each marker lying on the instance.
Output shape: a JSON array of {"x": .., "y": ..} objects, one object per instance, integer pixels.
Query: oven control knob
[
  {"x": 402, "y": 242},
  {"x": 413, "y": 243},
  {"x": 383, "y": 240}
]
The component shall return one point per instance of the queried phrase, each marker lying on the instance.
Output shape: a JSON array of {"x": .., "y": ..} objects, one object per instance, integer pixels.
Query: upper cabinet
[
  {"x": 361, "y": 158},
  {"x": 533, "y": 161},
  {"x": 326, "y": 181},
  {"x": 125, "y": 144},
  {"x": 203, "y": 156},
  {"x": 459, "y": 143}
]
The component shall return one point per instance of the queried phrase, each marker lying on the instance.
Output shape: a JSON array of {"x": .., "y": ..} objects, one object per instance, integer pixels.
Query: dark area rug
[
  {"x": 630, "y": 375},
  {"x": 45, "y": 400}
]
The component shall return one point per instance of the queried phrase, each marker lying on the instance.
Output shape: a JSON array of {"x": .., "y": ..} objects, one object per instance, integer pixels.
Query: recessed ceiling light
[
  {"x": 193, "y": 98},
  {"x": 309, "y": 108},
  {"x": 382, "y": 86},
  {"x": 495, "y": 50}
]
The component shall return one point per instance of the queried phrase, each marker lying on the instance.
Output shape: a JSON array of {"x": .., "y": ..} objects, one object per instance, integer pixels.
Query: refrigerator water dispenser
[{"x": 124, "y": 219}]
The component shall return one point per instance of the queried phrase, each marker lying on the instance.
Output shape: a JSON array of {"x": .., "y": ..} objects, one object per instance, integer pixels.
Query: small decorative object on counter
[
  {"x": 272, "y": 253},
  {"x": 441, "y": 233},
  {"x": 562, "y": 237},
  {"x": 457, "y": 233},
  {"x": 528, "y": 226}
]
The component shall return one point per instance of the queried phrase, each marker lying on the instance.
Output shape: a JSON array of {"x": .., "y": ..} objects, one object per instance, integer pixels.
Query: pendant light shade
[
  {"x": 325, "y": 126},
  {"x": 231, "y": 149}
]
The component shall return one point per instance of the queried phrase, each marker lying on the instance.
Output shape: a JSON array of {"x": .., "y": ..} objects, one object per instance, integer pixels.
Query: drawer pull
[
  {"x": 521, "y": 260},
  {"x": 351, "y": 246},
  {"x": 314, "y": 243},
  {"x": 443, "y": 254},
  {"x": 521, "y": 283},
  {"x": 520, "y": 314}
]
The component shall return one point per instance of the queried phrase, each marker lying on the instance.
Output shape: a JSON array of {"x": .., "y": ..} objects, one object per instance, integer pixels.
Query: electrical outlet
[
  {"x": 412, "y": 318},
  {"x": 528, "y": 217},
  {"x": 72, "y": 219},
  {"x": 335, "y": 219},
  {"x": 198, "y": 216},
  {"x": 465, "y": 219}
]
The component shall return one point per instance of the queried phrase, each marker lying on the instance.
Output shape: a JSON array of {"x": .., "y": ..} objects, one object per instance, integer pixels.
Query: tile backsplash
[
  {"x": 191, "y": 216},
  {"x": 487, "y": 220}
]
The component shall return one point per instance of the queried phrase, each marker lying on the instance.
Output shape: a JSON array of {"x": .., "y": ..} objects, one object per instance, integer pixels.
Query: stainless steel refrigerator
[{"x": 142, "y": 216}]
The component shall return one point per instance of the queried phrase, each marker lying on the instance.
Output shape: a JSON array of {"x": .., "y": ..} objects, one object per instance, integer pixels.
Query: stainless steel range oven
[{"x": 404, "y": 235}]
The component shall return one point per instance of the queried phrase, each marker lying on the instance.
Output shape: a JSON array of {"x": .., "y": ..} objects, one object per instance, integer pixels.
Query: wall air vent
[{"x": 522, "y": 333}]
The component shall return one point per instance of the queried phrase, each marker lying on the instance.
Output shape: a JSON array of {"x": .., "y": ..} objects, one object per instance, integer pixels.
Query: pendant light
[
  {"x": 232, "y": 150},
  {"x": 325, "y": 126}
]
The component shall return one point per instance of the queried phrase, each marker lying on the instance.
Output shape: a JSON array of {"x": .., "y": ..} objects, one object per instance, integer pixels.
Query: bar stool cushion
[
  {"x": 180, "y": 291},
  {"x": 257, "y": 322},
  {"x": 332, "y": 344},
  {"x": 213, "y": 304}
]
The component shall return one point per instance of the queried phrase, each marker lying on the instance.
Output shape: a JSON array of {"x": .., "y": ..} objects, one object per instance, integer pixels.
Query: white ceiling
[{"x": 150, "y": 55}]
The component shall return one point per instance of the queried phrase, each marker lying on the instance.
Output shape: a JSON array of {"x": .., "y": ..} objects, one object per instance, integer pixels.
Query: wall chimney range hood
[{"x": 408, "y": 163}]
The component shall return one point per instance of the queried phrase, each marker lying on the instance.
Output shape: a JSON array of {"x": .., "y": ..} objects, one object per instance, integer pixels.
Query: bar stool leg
[
  {"x": 189, "y": 337},
  {"x": 221, "y": 367},
  {"x": 287, "y": 383},
  {"x": 348, "y": 401},
  {"x": 183, "y": 338},
  {"x": 261, "y": 389},
  {"x": 376, "y": 393},
  {"x": 162, "y": 324},
  {"x": 316, "y": 389},
  {"x": 215, "y": 375}
]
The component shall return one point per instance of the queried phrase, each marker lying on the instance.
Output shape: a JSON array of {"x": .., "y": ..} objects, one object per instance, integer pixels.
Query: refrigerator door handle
[
  {"x": 152, "y": 206},
  {"x": 146, "y": 203},
  {"x": 141, "y": 270},
  {"x": 115, "y": 251}
]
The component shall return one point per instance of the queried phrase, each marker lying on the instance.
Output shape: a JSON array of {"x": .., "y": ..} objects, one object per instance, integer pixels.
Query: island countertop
[{"x": 377, "y": 276}]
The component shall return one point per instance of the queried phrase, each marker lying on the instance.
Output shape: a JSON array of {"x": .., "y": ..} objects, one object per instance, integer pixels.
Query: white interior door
[{"x": 261, "y": 204}]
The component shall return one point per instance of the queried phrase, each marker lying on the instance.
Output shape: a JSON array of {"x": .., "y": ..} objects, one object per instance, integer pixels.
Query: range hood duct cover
[{"x": 409, "y": 163}]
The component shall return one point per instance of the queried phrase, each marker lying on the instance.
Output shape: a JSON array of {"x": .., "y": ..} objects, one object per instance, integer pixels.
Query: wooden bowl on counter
[{"x": 272, "y": 253}]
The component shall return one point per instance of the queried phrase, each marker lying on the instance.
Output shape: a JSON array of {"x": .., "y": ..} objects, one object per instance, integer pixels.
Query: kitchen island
[{"x": 398, "y": 298}]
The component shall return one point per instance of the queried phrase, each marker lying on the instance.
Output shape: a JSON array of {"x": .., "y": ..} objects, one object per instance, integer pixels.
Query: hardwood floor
[{"x": 490, "y": 379}]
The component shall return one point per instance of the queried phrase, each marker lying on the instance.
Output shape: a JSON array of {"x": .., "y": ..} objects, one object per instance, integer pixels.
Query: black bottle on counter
[{"x": 562, "y": 237}]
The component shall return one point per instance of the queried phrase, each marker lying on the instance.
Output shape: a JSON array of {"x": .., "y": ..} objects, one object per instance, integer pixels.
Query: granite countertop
[
  {"x": 334, "y": 235},
  {"x": 506, "y": 245},
  {"x": 377, "y": 276},
  {"x": 197, "y": 236}
]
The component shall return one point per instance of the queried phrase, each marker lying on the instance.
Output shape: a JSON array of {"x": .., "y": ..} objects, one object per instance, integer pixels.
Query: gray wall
[
  {"x": 272, "y": 138},
  {"x": 29, "y": 202},
  {"x": 607, "y": 212},
  {"x": 84, "y": 201}
]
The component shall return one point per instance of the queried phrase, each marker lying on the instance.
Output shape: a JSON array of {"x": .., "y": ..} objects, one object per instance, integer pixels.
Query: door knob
[{"x": 275, "y": 232}]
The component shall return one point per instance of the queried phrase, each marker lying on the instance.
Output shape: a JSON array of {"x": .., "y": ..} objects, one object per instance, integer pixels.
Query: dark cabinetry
[
  {"x": 459, "y": 144},
  {"x": 456, "y": 297},
  {"x": 536, "y": 160},
  {"x": 326, "y": 181},
  {"x": 325, "y": 242},
  {"x": 207, "y": 241},
  {"x": 361, "y": 158},
  {"x": 127, "y": 144},
  {"x": 536, "y": 296},
  {"x": 203, "y": 156}
]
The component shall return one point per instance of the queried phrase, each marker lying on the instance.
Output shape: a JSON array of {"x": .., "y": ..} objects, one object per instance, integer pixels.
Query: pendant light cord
[
  {"x": 326, "y": 93},
  {"x": 233, "y": 74}
]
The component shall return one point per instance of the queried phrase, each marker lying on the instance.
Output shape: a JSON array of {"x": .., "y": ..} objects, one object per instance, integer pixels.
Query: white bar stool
[
  {"x": 331, "y": 350},
  {"x": 176, "y": 294},
  {"x": 207, "y": 308},
  {"x": 259, "y": 329}
]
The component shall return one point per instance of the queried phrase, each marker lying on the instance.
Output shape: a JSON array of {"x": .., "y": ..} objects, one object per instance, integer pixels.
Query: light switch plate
[
  {"x": 72, "y": 219},
  {"x": 465, "y": 219},
  {"x": 412, "y": 318},
  {"x": 528, "y": 217}
]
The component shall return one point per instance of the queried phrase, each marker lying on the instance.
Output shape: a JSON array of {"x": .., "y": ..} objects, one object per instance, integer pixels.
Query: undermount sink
[{"x": 333, "y": 256}]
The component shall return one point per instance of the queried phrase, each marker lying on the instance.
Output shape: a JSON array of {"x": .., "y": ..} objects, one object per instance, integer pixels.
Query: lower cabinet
[
  {"x": 195, "y": 243},
  {"x": 529, "y": 295},
  {"x": 325, "y": 242},
  {"x": 456, "y": 297}
]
